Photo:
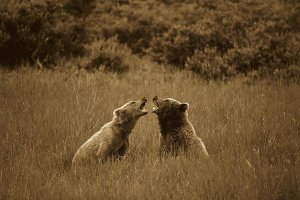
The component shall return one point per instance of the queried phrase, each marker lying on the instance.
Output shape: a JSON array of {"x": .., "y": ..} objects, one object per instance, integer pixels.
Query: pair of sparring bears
[{"x": 112, "y": 141}]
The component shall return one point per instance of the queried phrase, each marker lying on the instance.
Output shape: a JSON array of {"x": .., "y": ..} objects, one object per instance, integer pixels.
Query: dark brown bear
[{"x": 177, "y": 133}]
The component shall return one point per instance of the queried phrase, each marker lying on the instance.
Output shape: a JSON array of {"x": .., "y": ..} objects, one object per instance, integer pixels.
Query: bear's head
[
  {"x": 132, "y": 110},
  {"x": 169, "y": 108}
]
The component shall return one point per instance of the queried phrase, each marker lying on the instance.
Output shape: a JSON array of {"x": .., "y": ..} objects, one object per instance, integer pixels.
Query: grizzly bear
[
  {"x": 177, "y": 133},
  {"x": 112, "y": 141}
]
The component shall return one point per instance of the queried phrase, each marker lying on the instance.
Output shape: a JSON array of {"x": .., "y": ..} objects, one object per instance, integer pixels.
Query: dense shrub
[
  {"x": 210, "y": 65},
  {"x": 136, "y": 32},
  {"x": 292, "y": 72},
  {"x": 108, "y": 55},
  {"x": 179, "y": 43},
  {"x": 265, "y": 51},
  {"x": 175, "y": 46},
  {"x": 80, "y": 8},
  {"x": 271, "y": 56},
  {"x": 31, "y": 32}
]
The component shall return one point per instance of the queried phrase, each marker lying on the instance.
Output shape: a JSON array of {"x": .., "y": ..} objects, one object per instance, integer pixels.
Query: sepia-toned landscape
[{"x": 65, "y": 66}]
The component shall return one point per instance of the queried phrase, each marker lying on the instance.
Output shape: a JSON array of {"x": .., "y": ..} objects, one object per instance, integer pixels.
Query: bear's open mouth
[
  {"x": 142, "y": 105},
  {"x": 155, "y": 108},
  {"x": 142, "y": 108}
]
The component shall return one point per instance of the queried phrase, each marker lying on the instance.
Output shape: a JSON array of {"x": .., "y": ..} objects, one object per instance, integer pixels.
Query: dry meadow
[
  {"x": 252, "y": 132},
  {"x": 65, "y": 65}
]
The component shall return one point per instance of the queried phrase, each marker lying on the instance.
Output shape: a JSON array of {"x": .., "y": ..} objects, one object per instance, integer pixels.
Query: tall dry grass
[{"x": 251, "y": 133}]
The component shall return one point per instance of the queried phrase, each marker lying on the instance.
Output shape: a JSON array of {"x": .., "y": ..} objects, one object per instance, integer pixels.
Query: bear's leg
[
  {"x": 121, "y": 152},
  {"x": 103, "y": 152}
]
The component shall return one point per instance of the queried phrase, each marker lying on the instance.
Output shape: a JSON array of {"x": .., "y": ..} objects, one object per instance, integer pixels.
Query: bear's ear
[
  {"x": 184, "y": 106},
  {"x": 117, "y": 112}
]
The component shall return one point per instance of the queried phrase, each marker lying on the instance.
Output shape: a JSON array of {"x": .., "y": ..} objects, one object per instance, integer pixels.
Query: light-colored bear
[
  {"x": 112, "y": 140},
  {"x": 177, "y": 133}
]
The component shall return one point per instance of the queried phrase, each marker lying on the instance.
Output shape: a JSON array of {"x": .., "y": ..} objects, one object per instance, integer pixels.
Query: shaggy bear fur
[
  {"x": 112, "y": 140},
  {"x": 177, "y": 133}
]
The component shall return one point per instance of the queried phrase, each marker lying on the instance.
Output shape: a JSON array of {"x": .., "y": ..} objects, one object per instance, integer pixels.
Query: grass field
[{"x": 252, "y": 133}]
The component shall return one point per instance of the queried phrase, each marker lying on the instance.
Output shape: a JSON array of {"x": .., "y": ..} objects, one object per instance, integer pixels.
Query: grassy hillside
[
  {"x": 66, "y": 65},
  {"x": 251, "y": 133}
]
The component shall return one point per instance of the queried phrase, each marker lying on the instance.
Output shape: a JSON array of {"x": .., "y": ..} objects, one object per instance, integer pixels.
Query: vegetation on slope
[{"x": 215, "y": 39}]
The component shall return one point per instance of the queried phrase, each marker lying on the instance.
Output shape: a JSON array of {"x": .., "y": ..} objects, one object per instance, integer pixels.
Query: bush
[
  {"x": 291, "y": 72},
  {"x": 137, "y": 33},
  {"x": 266, "y": 55},
  {"x": 109, "y": 56},
  {"x": 80, "y": 8},
  {"x": 175, "y": 46},
  {"x": 277, "y": 55},
  {"x": 179, "y": 43},
  {"x": 210, "y": 65},
  {"x": 31, "y": 33}
]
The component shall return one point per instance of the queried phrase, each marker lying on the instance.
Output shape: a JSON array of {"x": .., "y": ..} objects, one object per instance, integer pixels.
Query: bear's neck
[
  {"x": 124, "y": 125},
  {"x": 170, "y": 125}
]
